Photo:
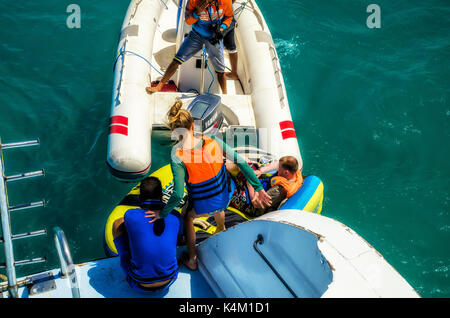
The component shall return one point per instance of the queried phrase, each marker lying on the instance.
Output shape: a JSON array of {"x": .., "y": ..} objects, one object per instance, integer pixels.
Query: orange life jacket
[
  {"x": 207, "y": 178},
  {"x": 290, "y": 186}
]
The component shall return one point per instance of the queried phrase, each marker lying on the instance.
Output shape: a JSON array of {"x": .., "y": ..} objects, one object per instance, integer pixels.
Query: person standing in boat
[
  {"x": 200, "y": 162},
  {"x": 147, "y": 251},
  {"x": 208, "y": 19}
]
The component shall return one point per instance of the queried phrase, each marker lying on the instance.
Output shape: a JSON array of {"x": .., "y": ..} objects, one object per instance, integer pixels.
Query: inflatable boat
[{"x": 255, "y": 106}]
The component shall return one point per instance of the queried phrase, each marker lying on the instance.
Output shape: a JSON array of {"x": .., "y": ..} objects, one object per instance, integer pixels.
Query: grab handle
[
  {"x": 65, "y": 258},
  {"x": 260, "y": 240}
]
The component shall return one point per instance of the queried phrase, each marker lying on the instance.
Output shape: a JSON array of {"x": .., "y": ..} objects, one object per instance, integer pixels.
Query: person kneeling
[{"x": 147, "y": 251}]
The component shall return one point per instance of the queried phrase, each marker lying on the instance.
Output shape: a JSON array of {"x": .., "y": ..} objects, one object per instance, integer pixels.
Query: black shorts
[{"x": 228, "y": 41}]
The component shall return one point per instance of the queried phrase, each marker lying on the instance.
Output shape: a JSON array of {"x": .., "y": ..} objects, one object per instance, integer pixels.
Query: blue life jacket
[{"x": 211, "y": 195}]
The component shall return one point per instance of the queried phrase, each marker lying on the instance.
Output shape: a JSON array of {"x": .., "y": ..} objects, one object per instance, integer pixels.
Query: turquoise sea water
[{"x": 370, "y": 107}]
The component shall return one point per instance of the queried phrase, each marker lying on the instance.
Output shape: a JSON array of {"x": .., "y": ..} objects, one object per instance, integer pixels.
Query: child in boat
[
  {"x": 147, "y": 251},
  {"x": 280, "y": 186}
]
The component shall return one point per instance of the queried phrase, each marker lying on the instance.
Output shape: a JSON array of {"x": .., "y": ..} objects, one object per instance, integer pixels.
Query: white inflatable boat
[{"x": 255, "y": 105}]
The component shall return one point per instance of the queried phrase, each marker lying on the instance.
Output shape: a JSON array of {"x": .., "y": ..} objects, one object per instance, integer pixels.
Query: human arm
[
  {"x": 179, "y": 172},
  {"x": 277, "y": 194},
  {"x": 234, "y": 157},
  {"x": 227, "y": 14},
  {"x": 270, "y": 167},
  {"x": 194, "y": 9},
  {"x": 260, "y": 196}
]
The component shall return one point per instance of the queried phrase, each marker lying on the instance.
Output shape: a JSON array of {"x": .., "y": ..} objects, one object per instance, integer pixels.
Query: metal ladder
[
  {"x": 5, "y": 209},
  {"x": 65, "y": 258}
]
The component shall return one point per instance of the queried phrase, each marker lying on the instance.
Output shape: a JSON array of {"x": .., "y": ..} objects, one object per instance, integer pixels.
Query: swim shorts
[
  {"x": 123, "y": 249},
  {"x": 193, "y": 43},
  {"x": 229, "y": 43}
]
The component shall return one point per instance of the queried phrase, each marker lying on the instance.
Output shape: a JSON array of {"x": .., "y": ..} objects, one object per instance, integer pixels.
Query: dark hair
[
  {"x": 151, "y": 188},
  {"x": 289, "y": 163}
]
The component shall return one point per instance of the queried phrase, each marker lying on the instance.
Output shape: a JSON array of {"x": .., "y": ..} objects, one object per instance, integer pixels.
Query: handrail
[
  {"x": 65, "y": 258},
  {"x": 260, "y": 240},
  {"x": 7, "y": 237},
  {"x": 5, "y": 209}
]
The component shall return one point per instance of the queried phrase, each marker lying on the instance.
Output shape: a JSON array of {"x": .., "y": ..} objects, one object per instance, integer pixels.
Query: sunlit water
[{"x": 370, "y": 107}]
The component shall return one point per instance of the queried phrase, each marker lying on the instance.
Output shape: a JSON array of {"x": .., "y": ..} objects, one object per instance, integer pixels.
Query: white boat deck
[
  {"x": 235, "y": 108},
  {"x": 105, "y": 278},
  {"x": 328, "y": 260}
]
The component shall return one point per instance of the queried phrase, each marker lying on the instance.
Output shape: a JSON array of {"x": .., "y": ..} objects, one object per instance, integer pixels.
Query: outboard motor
[{"x": 205, "y": 109}]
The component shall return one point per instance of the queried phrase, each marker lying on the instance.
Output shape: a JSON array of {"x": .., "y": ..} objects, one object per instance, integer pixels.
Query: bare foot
[
  {"x": 188, "y": 262},
  {"x": 154, "y": 89},
  {"x": 231, "y": 76}
]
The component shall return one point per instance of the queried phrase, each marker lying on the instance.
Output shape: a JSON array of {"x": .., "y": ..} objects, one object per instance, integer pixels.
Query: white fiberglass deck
[
  {"x": 105, "y": 278},
  {"x": 315, "y": 256}
]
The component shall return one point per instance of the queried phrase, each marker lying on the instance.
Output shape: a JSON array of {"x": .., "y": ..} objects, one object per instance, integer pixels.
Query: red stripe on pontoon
[
  {"x": 119, "y": 120},
  {"x": 116, "y": 129},
  {"x": 286, "y": 124},
  {"x": 288, "y": 134}
]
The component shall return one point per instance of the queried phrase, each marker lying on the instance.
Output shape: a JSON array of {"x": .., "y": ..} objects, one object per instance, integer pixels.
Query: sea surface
[{"x": 371, "y": 108}]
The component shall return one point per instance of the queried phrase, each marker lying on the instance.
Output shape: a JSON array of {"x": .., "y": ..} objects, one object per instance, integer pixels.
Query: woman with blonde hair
[{"x": 200, "y": 162}]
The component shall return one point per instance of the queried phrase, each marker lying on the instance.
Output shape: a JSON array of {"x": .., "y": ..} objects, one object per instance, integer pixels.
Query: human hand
[
  {"x": 258, "y": 173},
  {"x": 255, "y": 201},
  {"x": 152, "y": 214},
  {"x": 221, "y": 29},
  {"x": 261, "y": 199},
  {"x": 264, "y": 198}
]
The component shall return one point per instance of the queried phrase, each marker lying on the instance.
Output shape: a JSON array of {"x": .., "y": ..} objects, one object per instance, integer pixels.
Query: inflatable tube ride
[{"x": 308, "y": 198}]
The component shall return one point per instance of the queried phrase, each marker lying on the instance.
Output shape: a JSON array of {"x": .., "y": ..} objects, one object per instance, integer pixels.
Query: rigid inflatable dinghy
[{"x": 255, "y": 105}]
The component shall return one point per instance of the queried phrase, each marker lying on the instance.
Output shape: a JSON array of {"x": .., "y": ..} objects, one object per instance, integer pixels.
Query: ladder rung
[
  {"x": 19, "y": 282},
  {"x": 25, "y": 175},
  {"x": 28, "y": 234},
  {"x": 26, "y": 206},
  {"x": 26, "y": 261},
  {"x": 30, "y": 261},
  {"x": 21, "y": 144}
]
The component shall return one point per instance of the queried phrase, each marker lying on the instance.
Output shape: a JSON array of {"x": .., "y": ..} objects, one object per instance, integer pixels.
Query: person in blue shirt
[{"x": 147, "y": 251}]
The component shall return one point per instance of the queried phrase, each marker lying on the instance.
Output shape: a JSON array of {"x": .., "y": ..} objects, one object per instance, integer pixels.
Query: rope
[
  {"x": 121, "y": 53},
  {"x": 165, "y": 4},
  {"x": 207, "y": 65},
  {"x": 240, "y": 9}
]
